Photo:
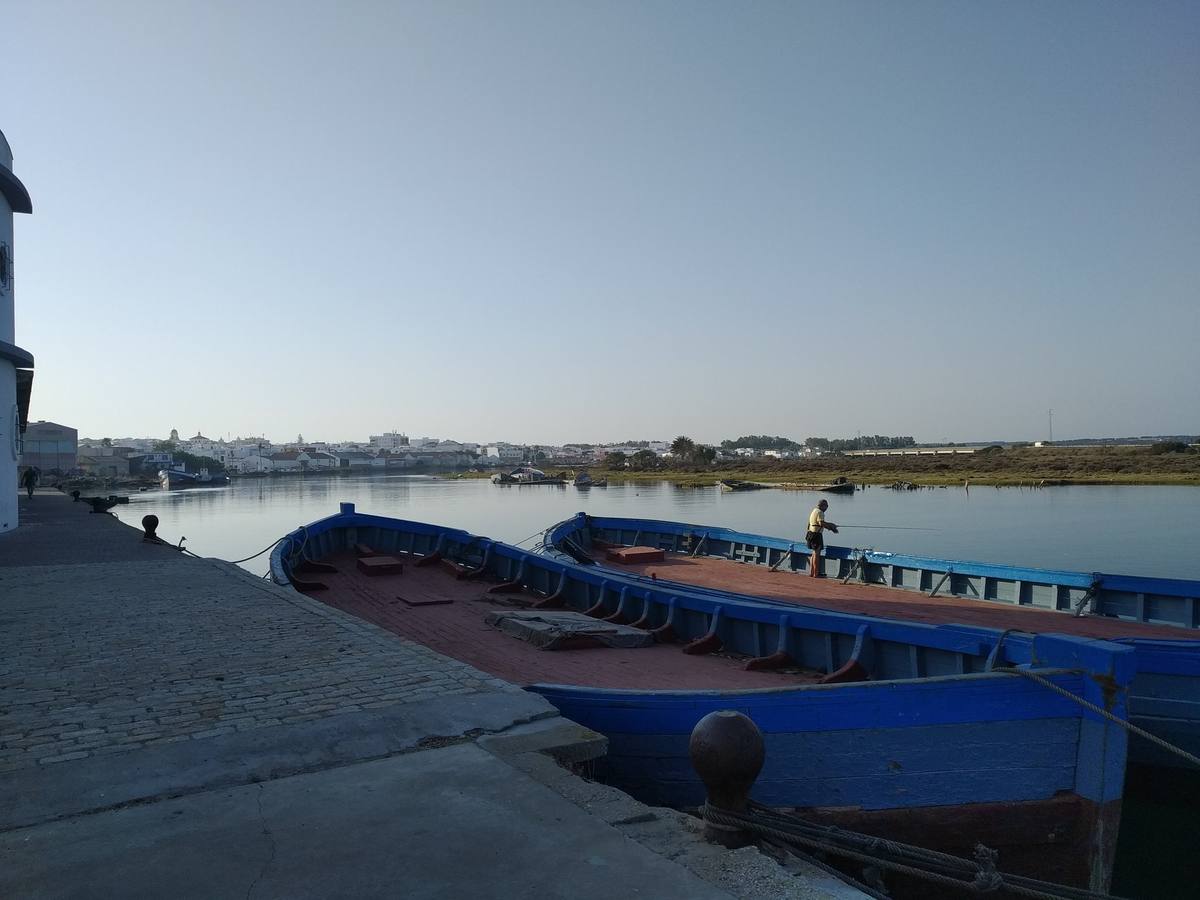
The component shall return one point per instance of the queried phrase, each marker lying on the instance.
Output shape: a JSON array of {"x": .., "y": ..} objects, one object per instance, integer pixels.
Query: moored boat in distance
[
  {"x": 734, "y": 484},
  {"x": 526, "y": 475},
  {"x": 172, "y": 479},
  {"x": 584, "y": 480},
  {"x": 1156, "y": 616},
  {"x": 865, "y": 720},
  {"x": 838, "y": 486}
]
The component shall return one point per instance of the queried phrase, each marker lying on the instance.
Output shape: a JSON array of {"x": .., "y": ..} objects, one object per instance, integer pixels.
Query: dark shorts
[{"x": 815, "y": 540}]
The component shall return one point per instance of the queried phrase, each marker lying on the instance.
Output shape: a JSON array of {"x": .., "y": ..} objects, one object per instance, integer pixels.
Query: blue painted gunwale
[
  {"x": 1165, "y": 694},
  {"x": 960, "y": 700}
]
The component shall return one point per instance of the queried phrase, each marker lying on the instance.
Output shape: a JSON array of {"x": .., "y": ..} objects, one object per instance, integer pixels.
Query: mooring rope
[
  {"x": 983, "y": 869},
  {"x": 235, "y": 561},
  {"x": 816, "y": 863},
  {"x": 535, "y": 534},
  {"x": 299, "y": 552},
  {"x": 984, "y": 878},
  {"x": 1100, "y": 711}
]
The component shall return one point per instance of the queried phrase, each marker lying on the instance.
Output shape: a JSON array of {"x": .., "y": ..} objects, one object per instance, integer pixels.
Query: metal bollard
[
  {"x": 727, "y": 752},
  {"x": 150, "y": 526}
]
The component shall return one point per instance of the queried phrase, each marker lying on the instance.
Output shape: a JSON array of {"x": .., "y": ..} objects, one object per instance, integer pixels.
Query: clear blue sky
[{"x": 582, "y": 221}]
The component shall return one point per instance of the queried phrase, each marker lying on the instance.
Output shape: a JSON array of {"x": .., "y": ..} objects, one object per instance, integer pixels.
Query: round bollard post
[
  {"x": 727, "y": 753},
  {"x": 150, "y": 526}
]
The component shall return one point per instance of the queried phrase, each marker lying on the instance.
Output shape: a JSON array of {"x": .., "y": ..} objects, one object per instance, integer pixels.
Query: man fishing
[{"x": 815, "y": 538}]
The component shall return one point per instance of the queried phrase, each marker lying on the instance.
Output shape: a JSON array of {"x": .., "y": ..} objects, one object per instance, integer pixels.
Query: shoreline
[{"x": 683, "y": 478}]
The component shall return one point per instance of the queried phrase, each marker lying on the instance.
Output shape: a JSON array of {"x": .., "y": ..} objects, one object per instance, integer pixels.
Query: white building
[
  {"x": 288, "y": 461},
  {"x": 504, "y": 452},
  {"x": 391, "y": 440},
  {"x": 16, "y": 365},
  {"x": 252, "y": 462}
]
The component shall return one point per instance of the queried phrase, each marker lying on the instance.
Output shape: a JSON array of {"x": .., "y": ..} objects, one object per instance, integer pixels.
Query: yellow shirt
[{"x": 816, "y": 519}]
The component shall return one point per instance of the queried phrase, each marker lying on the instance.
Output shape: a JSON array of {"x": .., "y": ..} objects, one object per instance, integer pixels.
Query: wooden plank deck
[{"x": 429, "y": 606}]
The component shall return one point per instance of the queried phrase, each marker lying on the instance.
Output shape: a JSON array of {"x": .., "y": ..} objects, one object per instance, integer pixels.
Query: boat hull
[
  {"x": 889, "y": 746},
  {"x": 175, "y": 480}
]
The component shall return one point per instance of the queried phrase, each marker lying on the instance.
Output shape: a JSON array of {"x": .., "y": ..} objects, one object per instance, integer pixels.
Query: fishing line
[{"x": 890, "y": 527}]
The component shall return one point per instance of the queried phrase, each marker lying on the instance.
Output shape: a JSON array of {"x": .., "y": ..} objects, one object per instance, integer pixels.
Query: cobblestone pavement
[{"x": 110, "y": 657}]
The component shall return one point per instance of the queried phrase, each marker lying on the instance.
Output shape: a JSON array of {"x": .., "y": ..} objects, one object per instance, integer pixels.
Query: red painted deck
[
  {"x": 883, "y": 602},
  {"x": 457, "y": 629},
  {"x": 636, "y": 555}
]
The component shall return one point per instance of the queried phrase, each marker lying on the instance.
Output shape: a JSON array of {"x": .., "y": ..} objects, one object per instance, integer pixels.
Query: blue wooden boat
[
  {"x": 896, "y": 728},
  {"x": 1153, "y": 615}
]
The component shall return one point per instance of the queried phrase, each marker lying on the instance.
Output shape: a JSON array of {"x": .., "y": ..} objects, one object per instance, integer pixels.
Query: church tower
[{"x": 16, "y": 365}]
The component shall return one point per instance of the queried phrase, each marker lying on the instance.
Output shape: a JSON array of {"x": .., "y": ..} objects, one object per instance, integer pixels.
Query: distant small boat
[
  {"x": 172, "y": 479},
  {"x": 837, "y": 486},
  {"x": 584, "y": 480},
  {"x": 733, "y": 484},
  {"x": 526, "y": 475}
]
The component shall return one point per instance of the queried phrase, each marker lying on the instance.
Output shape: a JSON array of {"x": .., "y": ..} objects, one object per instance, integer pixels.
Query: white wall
[
  {"x": 8, "y": 460},
  {"x": 8, "y": 375}
]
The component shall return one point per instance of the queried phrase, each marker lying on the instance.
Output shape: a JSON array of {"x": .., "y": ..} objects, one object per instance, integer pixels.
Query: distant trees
[
  {"x": 1169, "y": 447},
  {"x": 863, "y": 442},
  {"x": 193, "y": 463},
  {"x": 643, "y": 459},
  {"x": 761, "y": 442},
  {"x": 615, "y": 460},
  {"x": 683, "y": 447},
  {"x": 686, "y": 450},
  {"x": 164, "y": 446}
]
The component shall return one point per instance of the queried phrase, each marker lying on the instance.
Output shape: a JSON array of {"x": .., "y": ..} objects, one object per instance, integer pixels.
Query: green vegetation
[
  {"x": 761, "y": 442},
  {"x": 1001, "y": 466},
  {"x": 825, "y": 445},
  {"x": 862, "y": 442},
  {"x": 1170, "y": 447}
]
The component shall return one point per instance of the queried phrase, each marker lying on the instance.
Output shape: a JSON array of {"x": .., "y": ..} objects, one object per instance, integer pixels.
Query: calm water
[{"x": 1131, "y": 530}]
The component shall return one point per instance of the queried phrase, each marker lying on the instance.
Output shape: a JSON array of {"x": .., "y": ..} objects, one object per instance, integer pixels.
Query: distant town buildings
[
  {"x": 388, "y": 451},
  {"x": 389, "y": 441},
  {"x": 16, "y": 364}
]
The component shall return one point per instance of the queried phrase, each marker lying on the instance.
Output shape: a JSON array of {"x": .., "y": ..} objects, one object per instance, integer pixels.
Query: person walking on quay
[
  {"x": 815, "y": 538},
  {"x": 29, "y": 480}
]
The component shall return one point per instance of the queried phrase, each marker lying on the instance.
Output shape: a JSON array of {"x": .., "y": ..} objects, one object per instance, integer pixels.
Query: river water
[{"x": 1117, "y": 529}]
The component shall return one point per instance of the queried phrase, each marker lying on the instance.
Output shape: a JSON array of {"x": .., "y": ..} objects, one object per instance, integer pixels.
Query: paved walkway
[{"x": 170, "y": 725}]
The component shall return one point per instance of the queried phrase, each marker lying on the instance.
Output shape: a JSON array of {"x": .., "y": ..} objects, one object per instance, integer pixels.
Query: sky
[{"x": 563, "y": 221}]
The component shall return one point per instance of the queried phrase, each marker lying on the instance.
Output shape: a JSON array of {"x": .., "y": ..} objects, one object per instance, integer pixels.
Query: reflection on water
[{"x": 1133, "y": 530}]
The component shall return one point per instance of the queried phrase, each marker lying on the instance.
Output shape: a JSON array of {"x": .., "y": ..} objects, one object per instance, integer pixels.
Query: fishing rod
[{"x": 890, "y": 527}]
